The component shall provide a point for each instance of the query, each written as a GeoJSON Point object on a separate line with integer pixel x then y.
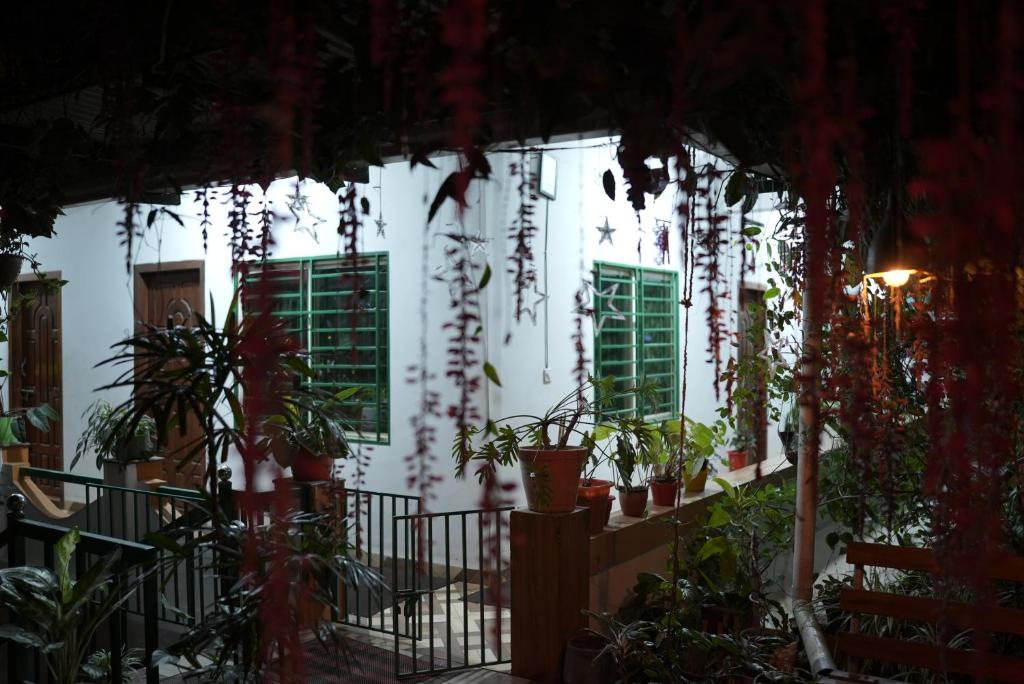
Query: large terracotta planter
{"type": "Point", "coordinates": [586, 662]}
{"type": "Point", "coordinates": [695, 484]}
{"type": "Point", "coordinates": [633, 502]}
{"type": "Point", "coordinates": [551, 477]}
{"type": "Point", "coordinates": [663, 492]}
{"type": "Point", "coordinates": [307, 467]}
{"type": "Point", "coordinates": [594, 495]}
{"type": "Point", "coordinates": [737, 459]}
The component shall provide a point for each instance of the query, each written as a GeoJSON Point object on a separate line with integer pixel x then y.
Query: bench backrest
{"type": "Point", "coordinates": [931, 610]}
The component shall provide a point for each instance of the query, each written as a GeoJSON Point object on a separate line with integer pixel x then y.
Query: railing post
{"type": "Point", "coordinates": [225, 495]}
{"type": "Point", "coordinates": [15, 554]}
{"type": "Point", "coordinates": [150, 616]}
{"type": "Point", "coordinates": [550, 589]}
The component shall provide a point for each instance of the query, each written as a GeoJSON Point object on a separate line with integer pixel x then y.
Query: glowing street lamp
{"type": "Point", "coordinates": [895, 256]}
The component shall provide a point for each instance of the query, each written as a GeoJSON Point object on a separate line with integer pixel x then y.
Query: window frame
{"type": "Point", "coordinates": [635, 275]}
{"type": "Point", "coordinates": [306, 266]}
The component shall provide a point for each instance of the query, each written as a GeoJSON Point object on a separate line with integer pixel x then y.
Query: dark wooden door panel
{"type": "Point", "coordinates": [36, 374]}
{"type": "Point", "coordinates": [172, 295]}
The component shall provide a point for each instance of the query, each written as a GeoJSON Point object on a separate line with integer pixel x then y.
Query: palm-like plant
{"type": "Point", "coordinates": [235, 381]}
{"type": "Point", "coordinates": [59, 615]}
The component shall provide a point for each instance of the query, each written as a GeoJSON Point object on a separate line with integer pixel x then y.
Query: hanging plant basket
{"type": "Point", "coordinates": [10, 269]}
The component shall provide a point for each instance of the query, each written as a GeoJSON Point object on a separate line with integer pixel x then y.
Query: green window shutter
{"type": "Point", "coordinates": [644, 344]}
{"type": "Point", "coordinates": [338, 310]}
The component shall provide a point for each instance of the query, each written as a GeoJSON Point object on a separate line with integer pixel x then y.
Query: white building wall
{"type": "Point", "coordinates": [98, 299]}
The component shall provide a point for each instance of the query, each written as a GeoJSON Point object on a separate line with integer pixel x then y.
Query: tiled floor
{"type": "Point", "coordinates": [463, 634]}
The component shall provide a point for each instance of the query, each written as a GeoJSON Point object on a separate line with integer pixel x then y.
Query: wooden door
{"type": "Point", "coordinates": [35, 368]}
{"type": "Point", "coordinates": [171, 294]}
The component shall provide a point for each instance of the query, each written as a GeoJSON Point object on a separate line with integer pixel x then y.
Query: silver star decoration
{"type": "Point", "coordinates": [584, 307]}
{"type": "Point", "coordinates": [606, 233]}
{"type": "Point", "coordinates": [379, 187]}
{"type": "Point", "coordinates": [531, 311]}
{"type": "Point", "coordinates": [380, 225]}
{"type": "Point", "coordinates": [608, 294]}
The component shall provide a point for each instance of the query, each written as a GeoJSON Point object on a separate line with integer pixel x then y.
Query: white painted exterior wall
{"type": "Point", "coordinates": [97, 302]}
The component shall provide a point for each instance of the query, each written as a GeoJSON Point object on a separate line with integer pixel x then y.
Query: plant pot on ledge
{"type": "Point", "coordinates": [593, 494]}
{"type": "Point", "coordinates": [633, 501]}
{"type": "Point", "coordinates": [551, 477]}
{"type": "Point", "coordinates": [309, 467]}
{"type": "Point", "coordinates": [737, 459]}
{"type": "Point", "coordinates": [663, 492]}
{"type": "Point", "coordinates": [10, 269]}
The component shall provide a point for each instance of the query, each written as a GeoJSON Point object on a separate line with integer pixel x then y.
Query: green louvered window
{"type": "Point", "coordinates": [338, 311]}
{"type": "Point", "coordinates": [638, 312]}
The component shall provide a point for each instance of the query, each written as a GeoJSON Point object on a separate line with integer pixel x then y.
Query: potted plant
{"type": "Point", "coordinates": [311, 432]}
{"type": "Point", "coordinates": [632, 461]}
{"type": "Point", "coordinates": [12, 255]}
{"type": "Point", "coordinates": [13, 435]}
{"type": "Point", "coordinates": [60, 613]}
{"type": "Point", "coordinates": [665, 459]}
{"type": "Point", "coordinates": [551, 467]}
{"type": "Point", "coordinates": [594, 493]}
{"type": "Point", "coordinates": [117, 439]}
{"type": "Point", "coordinates": [702, 441]}
{"type": "Point", "coordinates": [742, 445]}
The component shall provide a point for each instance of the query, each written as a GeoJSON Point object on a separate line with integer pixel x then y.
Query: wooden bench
{"type": "Point", "coordinates": [930, 610]}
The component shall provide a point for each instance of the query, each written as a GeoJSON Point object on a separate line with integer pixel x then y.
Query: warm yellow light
{"type": "Point", "coordinates": [896, 278]}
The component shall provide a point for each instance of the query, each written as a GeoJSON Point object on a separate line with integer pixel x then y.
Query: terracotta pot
{"type": "Point", "coordinates": [582, 665]}
{"type": "Point", "coordinates": [10, 269]}
{"type": "Point", "coordinates": [595, 497]}
{"type": "Point", "coordinates": [551, 477]}
{"type": "Point", "coordinates": [663, 492]}
{"type": "Point", "coordinates": [737, 459]}
{"type": "Point", "coordinates": [633, 502]}
{"type": "Point", "coordinates": [307, 467]}
{"type": "Point", "coordinates": [695, 484]}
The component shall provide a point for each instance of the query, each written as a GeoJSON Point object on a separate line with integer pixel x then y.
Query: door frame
{"type": "Point", "coordinates": [13, 385]}
{"type": "Point", "coordinates": [141, 290]}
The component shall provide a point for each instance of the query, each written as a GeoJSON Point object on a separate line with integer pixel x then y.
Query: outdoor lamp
{"type": "Point", "coordinates": [895, 255]}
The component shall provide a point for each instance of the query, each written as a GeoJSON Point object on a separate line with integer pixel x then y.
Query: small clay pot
{"type": "Point", "coordinates": [663, 492]}
{"type": "Point", "coordinates": [695, 484]}
{"type": "Point", "coordinates": [633, 502]}
{"type": "Point", "coordinates": [737, 459]}
{"type": "Point", "coordinates": [593, 494]}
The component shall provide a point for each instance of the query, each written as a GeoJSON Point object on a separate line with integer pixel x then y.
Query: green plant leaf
{"type": "Point", "coordinates": [729, 489]}
{"type": "Point", "coordinates": [491, 374]}
{"type": "Point", "coordinates": [62, 559]}
{"type": "Point", "coordinates": [718, 517]}
{"type": "Point", "coordinates": [485, 278]}
{"type": "Point", "coordinates": [771, 293]}
{"type": "Point", "coordinates": [21, 636]}
{"type": "Point", "coordinates": [712, 547]}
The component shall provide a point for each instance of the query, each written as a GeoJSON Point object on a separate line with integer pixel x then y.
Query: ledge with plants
{"type": "Point", "coordinates": [552, 468]}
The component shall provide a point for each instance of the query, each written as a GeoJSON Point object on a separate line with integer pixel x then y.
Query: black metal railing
{"type": "Point", "coordinates": [370, 516]}
{"type": "Point", "coordinates": [186, 591]}
{"type": "Point", "coordinates": [140, 559]}
{"type": "Point", "coordinates": [461, 600]}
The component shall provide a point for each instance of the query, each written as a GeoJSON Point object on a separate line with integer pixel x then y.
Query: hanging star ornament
{"type": "Point", "coordinates": [531, 311]}
{"type": "Point", "coordinates": [606, 233]}
{"type": "Point", "coordinates": [608, 295]}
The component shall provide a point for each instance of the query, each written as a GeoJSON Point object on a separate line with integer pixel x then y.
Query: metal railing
{"type": "Point", "coordinates": [371, 517]}
{"type": "Point", "coordinates": [123, 513]}
{"type": "Point", "coordinates": [436, 582]}
{"type": "Point", "coordinates": [136, 559]}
